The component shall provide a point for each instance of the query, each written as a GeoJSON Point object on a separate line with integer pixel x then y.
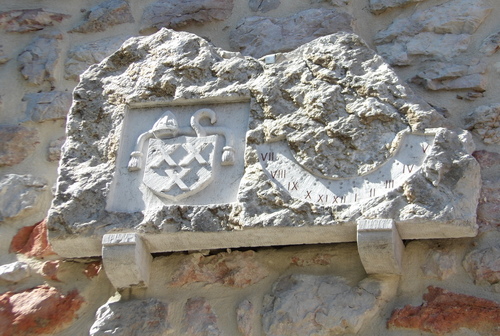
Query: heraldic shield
{"type": "Point", "coordinates": [179, 167]}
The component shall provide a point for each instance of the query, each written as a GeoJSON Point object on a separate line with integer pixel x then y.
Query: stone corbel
{"type": "Point", "coordinates": [380, 246]}
{"type": "Point", "coordinates": [126, 260]}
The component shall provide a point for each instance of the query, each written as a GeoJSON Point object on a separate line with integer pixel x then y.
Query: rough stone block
{"type": "Point", "coordinates": [19, 193]}
{"type": "Point", "coordinates": [302, 305]}
{"type": "Point", "coordinates": [45, 106]}
{"type": "Point", "coordinates": [380, 247]}
{"type": "Point", "coordinates": [484, 121]}
{"type": "Point", "coordinates": [16, 144]}
{"type": "Point", "coordinates": [27, 20]}
{"type": "Point", "coordinates": [235, 269]}
{"type": "Point", "coordinates": [263, 5]}
{"type": "Point", "coordinates": [175, 14]}
{"type": "Point", "coordinates": [54, 150]}
{"type": "Point", "coordinates": [445, 312]}
{"type": "Point", "coordinates": [38, 61]}
{"type": "Point", "coordinates": [80, 57]}
{"type": "Point", "coordinates": [107, 14]}
{"type": "Point", "coordinates": [201, 148]}
{"type": "Point", "coordinates": [379, 6]}
{"type": "Point", "coordinates": [32, 241]}
{"type": "Point", "coordinates": [259, 36]}
{"type": "Point", "coordinates": [126, 260]}
{"type": "Point", "coordinates": [245, 315]}
{"type": "Point", "coordinates": [37, 311]}
{"type": "Point", "coordinates": [483, 265]}
{"type": "Point", "coordinates": [438, 32]}
{"type": "Point", "coordinates": [14, 272]}
{"type": "Point", "coordinates": [199, 319]}
{"type": "Point", "coordinates": [129, 318]}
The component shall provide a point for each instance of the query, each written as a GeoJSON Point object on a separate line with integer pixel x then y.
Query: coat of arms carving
{"type": "Point", "coordinates": [178, 164]}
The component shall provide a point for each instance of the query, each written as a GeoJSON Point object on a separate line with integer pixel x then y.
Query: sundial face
{"type": "Point", "coordinates": [283, 169]}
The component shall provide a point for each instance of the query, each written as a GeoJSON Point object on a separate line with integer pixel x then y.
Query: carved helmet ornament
{"type": "Point", "coordinates": [178, 164]}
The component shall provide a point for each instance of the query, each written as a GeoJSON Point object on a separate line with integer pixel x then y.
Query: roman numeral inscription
{"type": "Point", "coordinates": [282, 169]}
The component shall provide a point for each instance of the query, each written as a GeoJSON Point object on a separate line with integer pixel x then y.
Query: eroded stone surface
{"type": "Point", "coordinates": [32, 241]}
{"type": "Point", "coordinates": [26, 20]}
{"type": "Point", "coordinates": [488, 210]}
{"type": "Point", "coordinates": [302, 305]}
{"type": "Point", "coordinates": [135, 317]}
{"type": "Point", "coordinates": [45, 106]}
{"type": "Point", "coordinates": [483, 265]}
{"type": "Point", "coordinates": [244, 317]}
{"type": "Point", "coordinates": [440, 264]}
{"type": "Point", "coordinates": [258, 36]}
{"type": "Point", "coordinates": [54, 150]}
{"type": "Point", "coordinates": [450, 76]}
{"type": "Point", "coordinates": [38, 61]}
{"type": "Point", "coordinates": [93, 269]}
{"type": "Point", "coordinates": [379, 6]}
{"type": "Point", "coordinates": [19, 193]}
{"type": "Point", "coordinates": [484, 121]}
{"type": "Point", "coordinates": [107, 14]}
{"type": "Point", "coordinates": [175, 14]}
{"type": "Point", "coordinates": [80, 57]}
{"type": "Point", "coordinates": [16, 143]}
{"type": "Point", "coordinates": [263, 5]}
{"type": "Point", "coordinates": [199, 319]}
{"type": "Point", "coordinates": [14, 272]}
{"type": "Point", "coordinates": [50, 269]}
{"type": "Point", "coordinates": [333, 103]}
{"type": "Point", "coordinates": [445, 312]}
{"type": "Point", "coordinates": [236, 269]}
{"type": "Point", "coordinates": [438, 32]}
{"type": "Point", "coordinates": [491, 44]}
{"type": "Point", "coordinates": [39, 310]}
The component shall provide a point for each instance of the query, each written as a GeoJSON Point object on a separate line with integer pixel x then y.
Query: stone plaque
{"type": "Point", "coordinates": [179, 155]}
{"type": "Point", "coordinates": [189, 147]}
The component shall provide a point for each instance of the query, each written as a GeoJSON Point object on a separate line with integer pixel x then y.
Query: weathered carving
{"type": "Point", "coordinates": [305, 126]}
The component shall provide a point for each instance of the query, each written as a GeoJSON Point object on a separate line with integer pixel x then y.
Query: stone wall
{"type": "Point", "coordinates": [445, 50]}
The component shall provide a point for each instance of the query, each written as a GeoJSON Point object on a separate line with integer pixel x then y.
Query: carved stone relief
{"type": "Point", "coordinates": [187, 146]}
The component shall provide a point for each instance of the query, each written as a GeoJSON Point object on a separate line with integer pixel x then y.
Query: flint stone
{"type": "Point", "coordinates": [199, 319]}
{"type": "Point", "coordinates": [431, 32]}
{"type": "Point", "coordinates": [483, 265]}
{"type": "Point", "coordinates": [16, 144]}
{"type": "Point", "coordinates": [107, 14]}
{"type": "Point", "coordinates": [14, 272]}
{"type": "Point", "coordinates": [176, 14]}
{"type": "Point", "coordinates": [19, 193]}
{"type": "Point", "coordinates": [263, 5]}
{"type": "Point", "coordinates": [45, 106]}
{"type": "Point", "coordinates": [301, 305]}
{"type": "Point", "coordinates": [258, 36]}
{"type": "Point", "coordinates": [379, 6]}
{"type": "Point", "coordinates": [27, 20]}
{"type": "Point", "coordinates": [38, 61]}
{"type": "Point", "coordinates": [317, 102]}
{"type": "Point", "coordinates": [484, 121]}
{"type": "Point", "coordinates": [135, 317]}
{"type": "Point", "coordinates": [82, 56]}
